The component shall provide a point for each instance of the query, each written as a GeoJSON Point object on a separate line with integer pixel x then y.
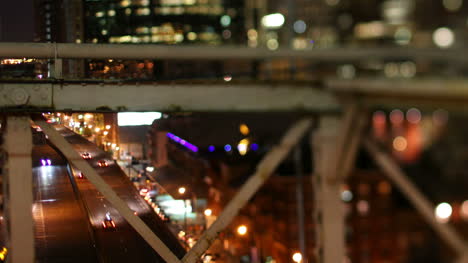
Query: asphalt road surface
{"type": "Point", "coordinates": [122, 244]}
{"type": "Point", "coordinates": [62, 229]}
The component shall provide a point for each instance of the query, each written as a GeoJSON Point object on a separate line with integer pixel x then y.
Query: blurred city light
{"type": "Point", "coordinates": [443, 37]}
{"type": "Point", "coordinates": [452, 5]}
{"type": "Point", "coordinates": [443, 211]}
{"type": "Point", "coordinates": [346, 196]}
{"type": "Point", "coordinates": [413, 116]}
{"type": "Point", "coordinates": [299, 26]}
{"type": "Point", "coordinates": [225, 20]}
{"type": "Point", "coordinates": [227, 148]}
{"type": "Point", "coordinates": [181, 190]}
{"type": "Point", "coordinates": [362, 207]}
{"type": "Point", "coordinates": [273, 20]}
{"type": "Point", "coordinates": [242, 230]}
{"type": "Point", "coordinates": [272, 44]}
{"type": "Point", "coordinates": [244, 129]}
{"type": "Point", "coordinates": [347, 71]}
{"type": "Point", "coordinates": [396, 117]}
{"type": "Point", "coordinates": [227, 78]}
{"type": "Point", "coordinates": [254, 146]}
{"type": "Point", "coordinates": [400, 143]}
{"type": "Point", "coordinates": [182, 142]}
{"type": "Point", "coordinates": [464, 210]}
{"type": "Point", "coordinates": [243, 146]}
{"type": "Point", "coordinates": [208, 212]}
{"type": "Point", "coordinates": [137, 118]}
{"type": "Point", "coordinates": [297, 257]}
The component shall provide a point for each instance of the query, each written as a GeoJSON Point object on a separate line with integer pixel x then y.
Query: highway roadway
{"type": "Point", "coordinates": [68, 211]}
{"type": "Point", "coordinates": [62, 229]}
{"type": "Point", "coordinates": [122, 244]}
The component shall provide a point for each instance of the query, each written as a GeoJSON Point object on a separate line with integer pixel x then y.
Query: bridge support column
{"type": "Point", "coordinates": [19, 192]}
{"type": "Point", "coordinates": [329, 209]}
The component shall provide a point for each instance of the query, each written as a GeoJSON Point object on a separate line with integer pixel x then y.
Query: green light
{"type": "Point", "coordinates": [225, 20]}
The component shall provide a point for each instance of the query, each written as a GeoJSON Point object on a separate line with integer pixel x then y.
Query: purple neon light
{"type": "Point", "coordinates": [182, 142]}
{"type": "Point", "coordinates": [254, 147]}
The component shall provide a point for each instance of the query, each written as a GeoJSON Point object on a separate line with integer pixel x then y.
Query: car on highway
{"type": "Point", "coordinates": [80, 175]}
{"type": "Point", "coordinates": [143, 191]}
{"type": "Point", "coordinates": [46, 162]}
{"type": "Point", "coordinates": [86, 155]}
{"type": "Point", "coordinates": [108, 223]}
{"type": "Point", "coordinates": [102, 163]}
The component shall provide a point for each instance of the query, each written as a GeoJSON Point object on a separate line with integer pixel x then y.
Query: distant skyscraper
{"type": "Point", "coordinates": [159, 22]}
{"type": "Point", "coordinates": [60, 22]}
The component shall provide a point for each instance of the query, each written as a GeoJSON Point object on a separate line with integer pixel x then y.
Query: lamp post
{"type": "Point", "coordinates": [182, 191]}
{"type": "Point", "coordinates": [242, 230]}
{"type": "Point", "coordinates": [297, 257]}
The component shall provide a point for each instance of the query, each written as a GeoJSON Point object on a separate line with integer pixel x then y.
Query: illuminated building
{"type": "Point", "coordinates": [159, 22]}
{"type": "Point", "coordinates": [13, 68]}
{"type": "Point", "coordinates": [380, 227]}
{"type": "Point", "coordinates": [61, 22]}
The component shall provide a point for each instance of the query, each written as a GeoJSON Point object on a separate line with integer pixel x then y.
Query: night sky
{"type": "Point", "coordinates": [16, 21]}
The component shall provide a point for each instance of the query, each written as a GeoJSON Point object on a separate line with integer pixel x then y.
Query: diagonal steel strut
{"type": "Point", "coordinates": [445, 231]}
{"type": "Point", "coordinates": [264, 169]}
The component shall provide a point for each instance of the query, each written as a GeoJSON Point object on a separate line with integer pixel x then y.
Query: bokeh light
{"type": "Point", "coordinates": [443, 37]}
{"type": "Point", "coordinates": [464, 210]}
{"type": "Point", "coordinates": [400, 144]}
{"type": "Point", "coordinates": [413, 116]}
{"type": "Point", "coordinates": [208, 212]}
{"type": "Point", "coordinates": [396, 117]}
{"type": "Point", "coordinates": [242, 230]}
{"type": "Point", "coordinates": [297, 257]}
{"type": "Point", "coordinates": [346, 196]}
{"type": "Point", "coordinates": [227, 147]}
{"type": "Point", "coordinates": [443, 211]}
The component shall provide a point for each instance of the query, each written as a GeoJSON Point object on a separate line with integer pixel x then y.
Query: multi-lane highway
{"type": "Point", "coordinates": [62, 229]}
{"type": "Point", "coordinates": [122, 243]}
{"type": "Point", "coordinates": [69, 212]}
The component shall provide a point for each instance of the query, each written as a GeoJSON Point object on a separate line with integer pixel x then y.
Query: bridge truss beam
{"type": "Point", "coordinates": [164, 97]}
{"type": "Point", "coordinates": [129, 51]}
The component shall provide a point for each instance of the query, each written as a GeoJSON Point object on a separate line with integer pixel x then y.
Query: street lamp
{"type": "Point", "coordinates": [182, 191]}
{"type": "Point", "coordinates": [242, 230]}
{"type": "Point", "coordinates": [208, 212]}
{"type": "Point", "coordinates": [297, 257]}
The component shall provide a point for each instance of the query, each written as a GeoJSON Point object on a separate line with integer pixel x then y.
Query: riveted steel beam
{"type": "Point", "coordinates": [164, 97]}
